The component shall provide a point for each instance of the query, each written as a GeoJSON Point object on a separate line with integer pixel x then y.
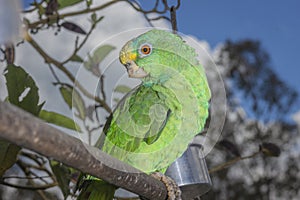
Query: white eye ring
{"type": "Point", "coordinates": [145, 50]}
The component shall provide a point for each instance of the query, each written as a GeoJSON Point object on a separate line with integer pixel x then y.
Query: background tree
{"type": "Point", "coordinates": [249, 77]}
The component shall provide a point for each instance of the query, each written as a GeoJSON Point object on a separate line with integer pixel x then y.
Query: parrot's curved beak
{"type": "Point", "coordinates": [135, 71]}
{"type": "Point", "coordinates": [128, 58]}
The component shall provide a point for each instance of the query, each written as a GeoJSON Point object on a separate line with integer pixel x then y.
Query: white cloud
{"type": "Point", "coordinates": [296, 118]}
{"type": "Point", "coordinates": [120, 24]}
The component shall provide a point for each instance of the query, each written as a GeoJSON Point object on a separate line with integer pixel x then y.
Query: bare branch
{"type": "Point", "coordinates": [173, 19]}
{"type": "Point", "coordinates": [37, 187]}
{"type": "Point", "coordinates": [25, 130]}
{"type": "Point", "coordinates": [19, 177]}
{"type": "Point", "coordinates": [160, 17]}
{"type": "Point", "coordinates": [78, 47]}
{"type": "Point", "coordinates": [42, 22]}
{"type": "Point", "coordinates": [231, 162]}
{"type": "Point", "coordinates": [9, 53]}
{"type": "Point", "coordinates": [134, 4]}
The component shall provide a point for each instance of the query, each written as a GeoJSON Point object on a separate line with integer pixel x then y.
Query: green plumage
{"type": "Point", "coordinates": [152, 125]}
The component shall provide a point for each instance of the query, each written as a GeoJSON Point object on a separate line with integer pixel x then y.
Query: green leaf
{"type": "Point", "coordinates": [270, 149]}
{"type": "Point", "coordinates": [59, 120]}
{"type": "Point", "coordinates": [92, 66]}
{"type": "Point", "coordinates": [71, 26]}
{"type": "Point", "coordinates": [41, 106]}
{"type": "Point", "coordinates": [22, 90]}
{"type": "Point", "coordinates": [89, 3]}
{"type": "Point", "coordinates": [98, 55]}
{"type": "Point", "coordinates": [122, 89]}
{"type": "Point", "coordinates": [73, 98]}
{"type": "Point", "coordinates": [101, 52]}
{"type": "Point", "coordinates": [76, 58]}
{"type": "Point", "coordinates": [99, 19]}
{"type": "Point", "coordinates": [41, 9]}
{"type": "Point", "coordinates": [66, 3]}
{"type": "Point", "coordinates": [94, 17]}
{"type": "Point", "coordinates": [8, 155]}
{"type": "Point", "coordinates": [66, 93]}
{"type": "Point", "coordinates": [63, 176]}
{"type": "Point", "coordinates": [78, 103]}
{"type": "Point", "coordinates": [230, 146]}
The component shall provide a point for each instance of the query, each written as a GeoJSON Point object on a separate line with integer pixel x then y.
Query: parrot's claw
{"type": "Point", "coordinates": [173, 189]}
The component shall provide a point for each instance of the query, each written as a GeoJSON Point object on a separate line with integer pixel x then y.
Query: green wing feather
{"type": "Point", "coordinates": [139, 119]}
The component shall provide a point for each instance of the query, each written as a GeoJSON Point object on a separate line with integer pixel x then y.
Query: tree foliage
{"type": "Point", "coordinates": [248, 67]}
{"type": "Point", "coordinates": [268, 139]}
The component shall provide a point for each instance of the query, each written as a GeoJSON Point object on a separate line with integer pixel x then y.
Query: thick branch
{"type": "Point", "coordinates": [25, 130]}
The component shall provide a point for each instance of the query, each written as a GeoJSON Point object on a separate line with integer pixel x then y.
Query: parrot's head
{"type": "Point", "coordinates": [154, 54]}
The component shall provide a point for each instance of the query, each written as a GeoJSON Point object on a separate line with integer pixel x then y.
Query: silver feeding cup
{"type": "Point", "coordinates": [190, 172]}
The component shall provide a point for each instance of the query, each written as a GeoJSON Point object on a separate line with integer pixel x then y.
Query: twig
{"type": "Point", "coordinates": [36, 4]}
{"type": "Point", "coordinates": [33, 156]}
{"type": "Point", "coordinates": [9, 53]}
{"type": "Point", "coordinates": [78, 47]}
{"type": "Point", "coordinates": [41, 167]}
{"type": "Point", "coordinates": [18, 177]}
{"type": "Point", "coordinates": [36, 24]}
{"type": "Point", "coordinates": [60, 66]}
{"type": "Point", "coordinates": [160, 17]}
{"type": "Point", "coordinates": [95, 128]}
{"type": "Point", "coordinates": [53, 73]}
{"type": "Point", "coordinates": [27, 173]}
{"type": "Point", "coordinates": [39, 187]}
{"type": "Point", "coordinates": [231, 162]}
{"type": "Point", "coordinates": [173, 19]}
{"type": "Point", "coordinates": [26, 168]}
{"type": "Point", "coordinates": [138, 8]}
{"type": "Point", "coordinates": [102, 87]}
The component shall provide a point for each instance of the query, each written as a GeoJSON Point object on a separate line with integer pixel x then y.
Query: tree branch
{"type": "Point", "coordinates": [61, 67]}
{"type": "Point", "coordinates": [55, 16]}
{"type": "Point", "coordinates": [231, 162]}
{"type": "Point", "coordinates": [25, 130]}
{"type": "Point", "coordinates": [37, 187]}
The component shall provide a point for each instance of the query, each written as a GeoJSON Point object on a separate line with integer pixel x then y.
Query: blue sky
{"type": "Point", "coordinates": [274, 23]}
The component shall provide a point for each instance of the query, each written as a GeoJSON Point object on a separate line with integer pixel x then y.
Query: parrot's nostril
{"type": "Point", "coordinates": [127, 65]}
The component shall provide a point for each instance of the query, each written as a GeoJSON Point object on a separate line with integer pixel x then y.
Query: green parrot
{"type": "Point", "coordinates": [154, 123]}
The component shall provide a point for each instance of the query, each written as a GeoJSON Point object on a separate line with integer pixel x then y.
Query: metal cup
{"type": "Point", "coordinates": [190, 172]}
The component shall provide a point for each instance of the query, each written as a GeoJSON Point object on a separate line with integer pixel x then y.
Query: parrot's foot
{"type": "Point", "coordinates": [174, 192]}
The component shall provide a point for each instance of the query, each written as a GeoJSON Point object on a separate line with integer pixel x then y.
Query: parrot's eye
{"type": "Point", "coordinates": [145, 49]}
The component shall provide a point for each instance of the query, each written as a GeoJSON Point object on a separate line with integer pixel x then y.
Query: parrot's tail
{"type": "Point", "coordinates": [97, 190]}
